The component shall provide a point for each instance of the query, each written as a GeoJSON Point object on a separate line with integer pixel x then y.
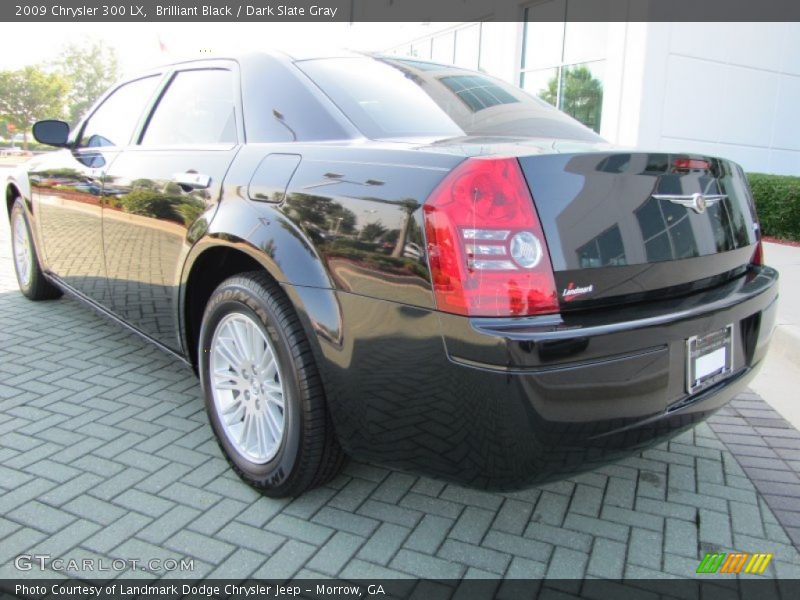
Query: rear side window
{"type": "Point", "coordinates": [379, 99]}
{"type": "Point", "coordinates": [114, 121]}
{"type": "Point", "coordinates": [198, 107]}
{"type": "Point", "coordinates": [391, 97]}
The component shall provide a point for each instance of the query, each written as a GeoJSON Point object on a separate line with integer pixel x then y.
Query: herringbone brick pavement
{"type": "Point", "coordinates": [105, 452]}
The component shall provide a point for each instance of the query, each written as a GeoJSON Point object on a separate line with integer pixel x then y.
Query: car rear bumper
{"type": "Point", "coordinates": [500, 403]}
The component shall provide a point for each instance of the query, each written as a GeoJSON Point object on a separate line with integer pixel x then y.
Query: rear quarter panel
{"type": "Point", "coordinates": [350, 218]}
{"type": "Point", "coordinates": [363, 217]}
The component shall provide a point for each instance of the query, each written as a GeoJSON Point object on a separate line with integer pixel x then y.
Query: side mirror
{"type": "Point", "coordinates": [51, 132]}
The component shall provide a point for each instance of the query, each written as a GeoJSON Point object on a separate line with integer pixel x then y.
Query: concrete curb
{"type": "Point", "coordinates": [786, 342]}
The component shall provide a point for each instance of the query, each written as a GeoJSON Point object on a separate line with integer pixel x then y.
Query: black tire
{"type": "Point", "coordinates": [309, 454]}
{"type": "Point", "coordinates": [36, 287]}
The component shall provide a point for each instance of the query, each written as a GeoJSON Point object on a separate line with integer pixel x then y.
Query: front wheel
{"type": "Point", "coordinates": [263, 393]}
{"type": "Point", "coordinates": [32, 282]}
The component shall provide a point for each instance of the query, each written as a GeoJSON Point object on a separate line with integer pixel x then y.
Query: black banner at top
{"type": "Point", "coordinates": [395, 10]}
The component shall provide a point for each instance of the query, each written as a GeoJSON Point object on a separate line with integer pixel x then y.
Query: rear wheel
{"type": "Point", "coordinates": [32, 282]}
{"type": "Point", "coordinates": [262, 390]}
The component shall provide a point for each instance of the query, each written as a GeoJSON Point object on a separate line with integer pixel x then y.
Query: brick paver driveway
{"type": "Point", "coordinates": [105, 451]}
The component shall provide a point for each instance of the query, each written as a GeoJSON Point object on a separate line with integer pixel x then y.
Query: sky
{"type": "Point", "coordinates": [138, 44]}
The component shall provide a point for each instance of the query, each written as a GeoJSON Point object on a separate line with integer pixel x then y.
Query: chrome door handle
{"type": "Point", "coordinates": [191, 180]}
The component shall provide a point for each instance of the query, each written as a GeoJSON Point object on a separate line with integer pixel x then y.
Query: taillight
{"type": "Point", "coordinates": [691, 164]}
{"type": "Point", "coordinates": [486, 249]}
{"type": "Point", "coordinates": [758, 255]}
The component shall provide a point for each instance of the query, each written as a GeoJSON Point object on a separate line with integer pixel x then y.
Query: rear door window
{"type": "Point", "coordinates": [198, 108]}
{"type": "Point", "coordinates": [114, 121]}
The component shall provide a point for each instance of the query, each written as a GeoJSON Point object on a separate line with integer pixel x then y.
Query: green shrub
{"type": "Point", "coordinates": [778, 204]}
{"type": "Point", "coordinates": [190, 212]}
{"type": "Point", "coordinates": [148, 203]}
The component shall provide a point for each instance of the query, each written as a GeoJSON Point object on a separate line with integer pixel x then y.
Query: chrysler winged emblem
{"type": "Point", "coordinates": [697, 202]}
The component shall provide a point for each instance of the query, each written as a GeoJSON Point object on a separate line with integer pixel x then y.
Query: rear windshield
{"type": "Point", "coordinates": [391, 98]}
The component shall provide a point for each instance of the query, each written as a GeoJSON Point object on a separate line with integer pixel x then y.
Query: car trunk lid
{"type": "Point", "coordinates": [628, 226]}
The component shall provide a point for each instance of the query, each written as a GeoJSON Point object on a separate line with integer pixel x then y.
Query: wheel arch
{"type": "Point", "coordinates": [205, 269]}
{"type": "Point", "coordinates": [12, 193]}
{"type": "Point", "coordinates": [18, 185]}
{"type": "Point", "coordinates": [14, 189]}
{"type": "Point", "coordinates": [211, 262]}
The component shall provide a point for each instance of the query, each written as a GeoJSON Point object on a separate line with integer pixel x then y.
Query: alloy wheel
{"type": "Point", "coordinates": [23, 254]}
{"type": "Point", "coordinates": [247, 387]}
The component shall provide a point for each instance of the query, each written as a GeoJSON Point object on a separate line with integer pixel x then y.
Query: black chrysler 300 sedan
{"type": "Point", "coordinates": [401, 261]}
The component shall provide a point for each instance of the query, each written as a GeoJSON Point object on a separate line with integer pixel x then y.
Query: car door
{"type": "Point", "coordinates": [157, 188]}
{"type": "Point", "coordinates": [67, 189]}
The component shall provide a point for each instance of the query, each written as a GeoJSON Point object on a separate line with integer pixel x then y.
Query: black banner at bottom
{"type": "Point", "coordinates": [722, 587]}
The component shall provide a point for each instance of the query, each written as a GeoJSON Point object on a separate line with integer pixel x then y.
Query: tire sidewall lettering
{"type": "Point", "coordinates": [276, 471]}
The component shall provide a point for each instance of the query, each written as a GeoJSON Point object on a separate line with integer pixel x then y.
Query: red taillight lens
{"type": "Point", "coordinates": [690, 164]}
{"type": "Point", "coordinates": [758, 255]}
{"type": "Point", "coordinates": [486, 249]}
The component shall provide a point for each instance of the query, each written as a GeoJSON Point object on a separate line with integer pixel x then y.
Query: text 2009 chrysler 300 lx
{"type": "Point", "coordinates": [402, 261]}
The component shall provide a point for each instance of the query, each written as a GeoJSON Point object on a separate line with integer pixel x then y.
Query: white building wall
{"type": "Point", "coordinates": [622, 83]}
{"type": "Point", "coordinates": [726, 89]}
{"type": "Point", "coordinates": [506, 46]}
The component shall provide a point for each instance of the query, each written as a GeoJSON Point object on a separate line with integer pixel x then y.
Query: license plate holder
{"type": "Point", "coordinates": [709, 359]}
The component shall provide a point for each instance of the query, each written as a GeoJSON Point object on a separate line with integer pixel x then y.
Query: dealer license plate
{"type": "Point", "coordinates": [709, 359]}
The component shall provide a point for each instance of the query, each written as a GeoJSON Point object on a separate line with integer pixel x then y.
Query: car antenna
{"type": "Point", "coordinates": [282, 121]}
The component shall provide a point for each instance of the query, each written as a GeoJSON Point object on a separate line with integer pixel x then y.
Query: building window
{"type": "Point", "coordinates": [604, 250]}
{"type": "Point", "coordinates": [666, 230]}
{"type": "Point", "coordinates": [421, 49]}
{"type": "Point", "coordinates": [563, 62]}
{"type": "Point", "coordinates": [468, 47]}
{"type": "Point", "coordinates": [491, 60]}
{"type": "Point", "coordinates": [444, 48]}
{"type": "Point", "coordinates": [477, 92]}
